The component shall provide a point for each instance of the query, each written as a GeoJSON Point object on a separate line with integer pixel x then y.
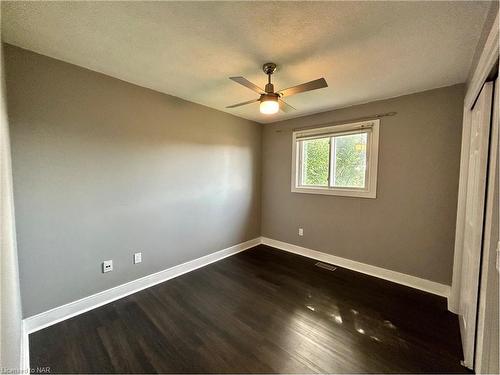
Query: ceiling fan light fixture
{"type": "Point", "coordinates": [271, 101]}
{"type": "Point", "coordinates": [269, 106]}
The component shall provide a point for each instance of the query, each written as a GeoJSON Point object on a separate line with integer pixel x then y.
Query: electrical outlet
{"type": "Point", "coordinates": [301, 232]}
{"type": "Point", "coordinates": [107, 266]}
{"type": "Point", "coordinates": [137, 258]}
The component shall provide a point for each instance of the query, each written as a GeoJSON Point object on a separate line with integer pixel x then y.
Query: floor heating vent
{"type": "Point", "coordinates": [326, 266]}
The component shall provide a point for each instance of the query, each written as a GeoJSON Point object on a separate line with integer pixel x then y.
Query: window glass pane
{"type": "Point", "coordinates": [315, 155]}
{"type": "Point", "coordinates": [350, 160]}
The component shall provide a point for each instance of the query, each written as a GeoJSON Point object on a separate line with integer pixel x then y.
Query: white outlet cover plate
{"type": "Point", "coordinates": [137, 258]}
{"type": "Point", "coordinates": [107, 266]}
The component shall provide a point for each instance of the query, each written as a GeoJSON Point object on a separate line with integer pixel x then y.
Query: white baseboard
{"type": "Point", "coordinates": [58, 314]}
{"type": "Point", "coordinates": [382, 273]}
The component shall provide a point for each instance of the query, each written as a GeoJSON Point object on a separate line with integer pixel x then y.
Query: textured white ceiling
{"type": "Point", "coordinates": [365, 50]}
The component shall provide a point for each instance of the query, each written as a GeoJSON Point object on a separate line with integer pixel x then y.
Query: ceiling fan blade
{"type": "Point", "coordinates": [285, 107]}
{"type": "Point", "coordinates": [244, 103]}
{"type": "Point", "coordinates": [245, 82]}
{"type": "Point", "coordinates": [312, 85]}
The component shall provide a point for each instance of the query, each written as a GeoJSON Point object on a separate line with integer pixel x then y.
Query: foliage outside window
{"type": "Point", "coordinates": [315, 165]}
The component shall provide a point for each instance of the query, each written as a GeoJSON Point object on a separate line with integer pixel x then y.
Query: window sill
{"type": "Point", "coordinates": [338, 192]}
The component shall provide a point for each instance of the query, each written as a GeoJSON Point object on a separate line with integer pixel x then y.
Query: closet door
{"type": "Point", "coordinates": [487, 359]}
{"type": "Point", "coordinates": [474, 219]}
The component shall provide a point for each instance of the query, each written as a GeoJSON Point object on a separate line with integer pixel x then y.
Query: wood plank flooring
{"type": "Point", "coordinates": [260, 311]}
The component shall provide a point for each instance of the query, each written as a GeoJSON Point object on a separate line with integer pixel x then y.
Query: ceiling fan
{"type": "Point", "coordinates": [271, 101]}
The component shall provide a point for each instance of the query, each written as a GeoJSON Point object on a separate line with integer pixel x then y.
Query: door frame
{"type": "Point", "coordinates": [487, 62]}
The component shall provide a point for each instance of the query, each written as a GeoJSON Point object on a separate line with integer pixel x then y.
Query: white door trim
{"type": "Point", "coordinates": [454, 300]}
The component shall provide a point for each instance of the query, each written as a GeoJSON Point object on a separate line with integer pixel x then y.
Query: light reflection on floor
{"type": "Point", "coordinates": [352, 319]}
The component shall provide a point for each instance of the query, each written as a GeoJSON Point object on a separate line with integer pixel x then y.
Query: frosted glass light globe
{"type": "Point", "coordinates": [268, 107]}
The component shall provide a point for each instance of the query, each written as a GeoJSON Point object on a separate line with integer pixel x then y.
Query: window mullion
{"type": "Point", "coordinates": [302, 161]}
{"type": "Point", "coordinates": [331, 163]}
{"type": "Point", "coordinates": [368, 150]}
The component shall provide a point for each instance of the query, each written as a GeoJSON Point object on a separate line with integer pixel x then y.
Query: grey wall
{"type": "Point", "coordinates": [10, 298]}
{"type": "Point", "coordinates": [103, 168]}
{"type": "Point", "coordinates": [410, 226]}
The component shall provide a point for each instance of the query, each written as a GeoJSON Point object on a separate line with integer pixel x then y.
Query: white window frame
{"type": "Point", "coordinates": [370, 190]}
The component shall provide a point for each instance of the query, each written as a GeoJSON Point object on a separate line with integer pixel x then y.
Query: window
{"type": "Point", "coordinates": [336, 160]}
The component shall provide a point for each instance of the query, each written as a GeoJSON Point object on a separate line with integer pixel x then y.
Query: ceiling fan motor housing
{"type": "Point", "coordinates": [269, 96]}
{"type": "Point", "coordinates": [269, 88]}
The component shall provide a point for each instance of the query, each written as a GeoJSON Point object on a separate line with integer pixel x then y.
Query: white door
{"type": "Point", "coordinates": [474, 217]}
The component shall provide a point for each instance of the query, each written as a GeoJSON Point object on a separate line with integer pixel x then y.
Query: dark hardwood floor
{"type": "Point", "coordinates": [260, 311]}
